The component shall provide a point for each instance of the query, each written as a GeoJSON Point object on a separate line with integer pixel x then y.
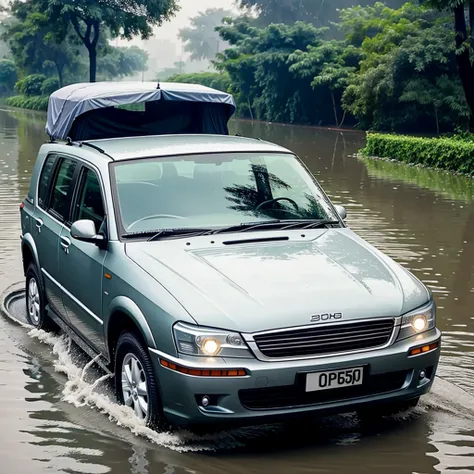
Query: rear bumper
{"type": "Point", "coordinates": [275, 391]}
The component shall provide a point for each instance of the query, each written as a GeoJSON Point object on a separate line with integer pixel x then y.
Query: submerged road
{"type": "Point", "coordinates": [53, 419]}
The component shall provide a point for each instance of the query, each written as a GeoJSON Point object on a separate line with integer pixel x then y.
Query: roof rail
{"type": "Point", "coordinates": [95, 147]}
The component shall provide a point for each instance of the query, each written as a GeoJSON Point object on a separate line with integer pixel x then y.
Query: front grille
{"type": "Point", "coordinates": [326, 339]}
{"type": "Point", "coordinates": [294, 396]}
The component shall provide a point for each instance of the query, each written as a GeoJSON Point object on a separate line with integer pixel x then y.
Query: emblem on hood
{"type": "Point", "coordinates": [318, 318]}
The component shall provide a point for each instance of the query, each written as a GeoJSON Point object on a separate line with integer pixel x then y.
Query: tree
{"type": "Point", "coordinates": [331, 64]}
{"type": "Point", "coordinates": [463, 11]}
{"type": "Point", "coordinates": [123, 61]}
{"type": "Point", "coordinates": [201, 38]}
{"type": "Point", "coordinates": [32, 46]}
{"type": "Point", "coordinates": [404, 52]}
{"type": "Point", "coordinates": [259, 65]}
{"type": "Point", "coordinates": [8, 75]}
{"type": "Point", "coordinates": [91, 18]}
{"type": "Point", "coordinates": [318, 12]}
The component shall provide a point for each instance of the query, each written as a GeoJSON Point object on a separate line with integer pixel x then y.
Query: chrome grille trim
{"type": "Point", "coordinates": [279, 337]}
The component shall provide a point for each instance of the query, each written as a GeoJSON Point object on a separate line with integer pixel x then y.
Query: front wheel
{"type": "Point", "coordinates": [135, 381]}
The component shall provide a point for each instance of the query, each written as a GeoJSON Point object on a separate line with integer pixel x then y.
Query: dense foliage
{"type": "Point", "coordinates": [31, 85]}
{"type": "Point", "coordinates": [318, 12]}
{"type": "Point", "coordinates": [394, 70]}
{"type": "Point", "coordinates": [91, 19]}
{"type": "Point", "coordinates": [447, 153]}
{"type": "Point", "coordinates": [33, 103]}
{"type": "Point", "coordinates": [464, 40]}
{"type": "Point", "coordinates": [70, 37]}
{"type": "Point", "coordinates": [8, 76]}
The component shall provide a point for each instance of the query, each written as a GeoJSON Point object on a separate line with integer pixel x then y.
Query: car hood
{"type": "Point", "coordinates": [254, 286]}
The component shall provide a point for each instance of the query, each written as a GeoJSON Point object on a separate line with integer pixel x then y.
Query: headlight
{"type": "Point", "coordinates": [418, 321]}
{"type": "Point", "coordinates": [205, 342]}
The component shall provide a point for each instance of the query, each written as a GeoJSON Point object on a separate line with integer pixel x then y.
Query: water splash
{"type": "Point", "coordinates": [80, 392]}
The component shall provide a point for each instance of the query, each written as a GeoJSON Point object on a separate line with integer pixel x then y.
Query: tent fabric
{"type": "Point", "coordinates": [87, 111]}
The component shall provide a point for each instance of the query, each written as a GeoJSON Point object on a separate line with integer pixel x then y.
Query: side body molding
{"type": "Point", "coordinates": [127, 306]}
{"type": "Point", "coordinates": [28, 241]}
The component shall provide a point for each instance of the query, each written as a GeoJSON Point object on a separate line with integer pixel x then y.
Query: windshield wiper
{"type": "Point", "coordinates": [245, 226]}
{"type": "Point", "coordinates": [322, 223]}
{"type": "Point", "coordinates": [157, 234]}
{"type": "Point", "coordinates": [281, 224]}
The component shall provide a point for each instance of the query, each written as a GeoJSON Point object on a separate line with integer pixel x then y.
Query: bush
{"type": "Point", "coordinates": [215, 80]}
{"type": "Point", "coordinates": [49, 86]}
{"type": "Point", "coordinates": [31, 85]}
{"type": "Point", "coordinates": [33, 103]}
{"type": "Point", "coordinates": [454, 154]}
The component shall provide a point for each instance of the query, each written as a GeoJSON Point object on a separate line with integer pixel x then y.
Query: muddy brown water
{"type": "Point", "coordinates": [53, 420]}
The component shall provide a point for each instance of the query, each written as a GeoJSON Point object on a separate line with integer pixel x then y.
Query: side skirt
{"type": "Point", "coordinates": [102, 362]}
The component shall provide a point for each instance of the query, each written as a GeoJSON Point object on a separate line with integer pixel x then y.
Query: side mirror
{"type": "Point", "coordinates": [84, 231]}
{"type": "Point", "coordinates": [341, 210]}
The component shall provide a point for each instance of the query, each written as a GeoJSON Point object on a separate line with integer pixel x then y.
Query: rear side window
{"type": "Point", "coordinates": [89, 204]}
{"type": "Point", "coordinates": [45, 180]}
{"type": "Point", "coordinates": [59, 205]}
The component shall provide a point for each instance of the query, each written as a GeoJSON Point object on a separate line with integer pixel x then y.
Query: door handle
{"type": "Point", "coordinates": [65, 243]}
{"type": "Point", "coordinates": [39, 224]}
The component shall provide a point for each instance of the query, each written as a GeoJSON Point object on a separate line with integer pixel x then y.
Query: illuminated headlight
{"type": "Point", "coordinates": [418, 321]}
{"type": "Point", "coordinates": [206, 342]}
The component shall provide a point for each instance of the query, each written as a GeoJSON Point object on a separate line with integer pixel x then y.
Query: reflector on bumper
{"type": "Point", "coordinates": [204, 372]}
{"type": "Point", "coordinates": [424, 349]}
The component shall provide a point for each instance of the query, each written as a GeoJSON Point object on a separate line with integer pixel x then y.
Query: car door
{"type": "Point", "coordinates": [53, 202]}
{"type": "Point", "coordinates": [81, 263]}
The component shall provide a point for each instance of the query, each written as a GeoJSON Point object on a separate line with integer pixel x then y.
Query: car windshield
{"type": "Point", "coordinates": [215, 190]}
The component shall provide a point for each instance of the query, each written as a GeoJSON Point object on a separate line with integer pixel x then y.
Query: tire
{"type": "Point", "coordinates": [388, 409]}
{"type": "Point", "coordinates": [130, 385]}
{"type": "Point", "coordinates": [36, 300]}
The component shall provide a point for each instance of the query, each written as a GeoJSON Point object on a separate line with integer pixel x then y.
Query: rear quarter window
{"type": "Point", "coordinates": [45, 181]}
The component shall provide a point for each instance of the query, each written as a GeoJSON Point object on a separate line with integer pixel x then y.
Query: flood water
{"type": "Point", "coordinates": [53, 420]}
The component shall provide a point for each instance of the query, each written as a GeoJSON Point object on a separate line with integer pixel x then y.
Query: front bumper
{"type": "Point", "coordinates": [275, 391]}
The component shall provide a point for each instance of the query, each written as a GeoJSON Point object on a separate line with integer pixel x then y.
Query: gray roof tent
{"type": "Point", "coordinates": [88, 111]}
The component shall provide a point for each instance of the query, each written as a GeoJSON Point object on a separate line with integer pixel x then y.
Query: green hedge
{"type": "Point", "coordinates": [215, 80]}
{"type": "Point", "coordinates": [32, 103]}
{"type": "Point", "coordinates": [453, 154]}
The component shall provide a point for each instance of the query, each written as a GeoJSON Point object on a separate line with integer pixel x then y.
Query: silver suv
{"type": "Point", "coordinates": [218, 282]}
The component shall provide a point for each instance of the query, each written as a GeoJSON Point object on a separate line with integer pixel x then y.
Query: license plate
{"type": "Point", "coordinates": [334, 379]}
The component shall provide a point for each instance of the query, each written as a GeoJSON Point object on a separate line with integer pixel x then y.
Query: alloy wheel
{"type": "Point", "coordinates": [134, 386]}
{"type": "Point", "coordinates": [34, 307]}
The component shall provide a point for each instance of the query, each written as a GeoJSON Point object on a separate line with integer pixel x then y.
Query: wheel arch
{"type": "Point", "coordinates": [124, 314]}
{"type": "Point", "coordinates": [29, 253]}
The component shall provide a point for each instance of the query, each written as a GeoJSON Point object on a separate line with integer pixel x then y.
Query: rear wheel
{"type": "Point", "coordinates": [388, 409]}
{"type": "Point", "coordinates": [36, 300]}
{"type": "Point", "coordinates": [135, 381]}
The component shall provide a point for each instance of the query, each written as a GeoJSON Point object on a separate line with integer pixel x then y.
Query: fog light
{"type": "Point", "coordinates": [205, 402]}
{"type": "Point", "coordinates": [419, 323]}
{"type": "Point", "coordinates": [422, 374]}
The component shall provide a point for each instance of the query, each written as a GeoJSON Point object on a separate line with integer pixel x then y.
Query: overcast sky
{"type": "Point", "coordinates": [189, 9]}
{"type": "Point", "coordinates": [165, 55]}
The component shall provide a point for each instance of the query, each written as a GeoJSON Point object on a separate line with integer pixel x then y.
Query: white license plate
{"type": "Point", "coordinates": [334, 379]}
